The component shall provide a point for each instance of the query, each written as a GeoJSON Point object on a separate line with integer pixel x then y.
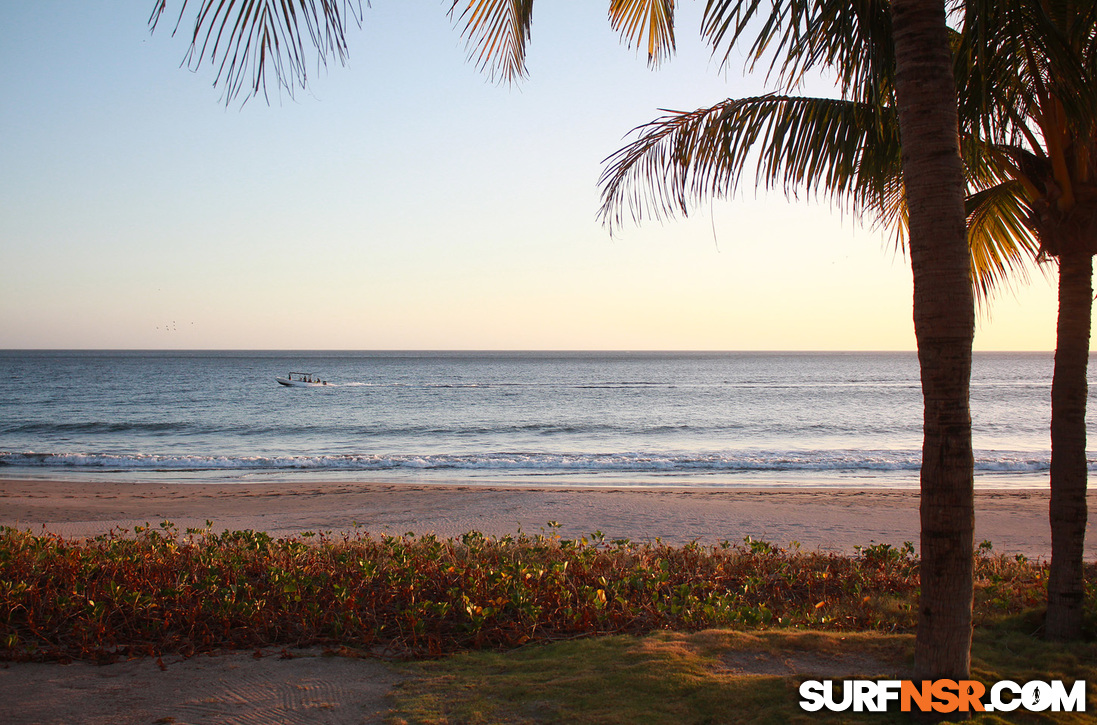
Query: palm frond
{"type": "Point", "coordinates": [892, 214]}
{"type": "Point", "coordinates": [1084, 37]}
{"type": "Point", "coordinates": [986, 66]}
{"type": "Point", "coordinates": [1003, 247]}
{"type": "Point", "coordinates": [849, 37]}
{"type": "Point", "coordinates": [496, 33]}
{"type": "Point", "coordinates": [246, 39]}
{"type": "Point", "coordinates": [1072, 62]}
{"type": "Point", "coordinates": [1015, 57]}
{"type": "Point", "coordinates": [839, 149]}
{"type": "Point", "coordinates": [649, 22]}
{"type": "Point", "coordinates": [725, 22]}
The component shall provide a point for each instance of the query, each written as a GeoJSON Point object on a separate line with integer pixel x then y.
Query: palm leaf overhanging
{"type": "Point", "coordinates": [247, 39]}
{"type": "Point", "coordinates": [851, 38]}
{"type": "Point", "coordinates": [253, 41]}
{"type": "Point", "coordinates": [846, 149]}
{"type": "Point", "coordinates": [498, 31]}
{"type": "Point", "coordinates": [1002, 246]}
{"type": "Point", "coordinates": [818, 144]}
{"type": "Point", "coordinates": [1030, 92]}
{"type": "Point", "coordinates": [649, 22]}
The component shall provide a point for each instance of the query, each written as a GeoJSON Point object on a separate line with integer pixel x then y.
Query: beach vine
{"type": "Point", "coordinates": [157, 590]}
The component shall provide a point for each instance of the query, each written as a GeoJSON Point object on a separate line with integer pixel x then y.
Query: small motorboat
{"type": "Point", "coordinates": [302, 380]}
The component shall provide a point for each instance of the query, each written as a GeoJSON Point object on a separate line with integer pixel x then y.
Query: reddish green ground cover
{"type": "Point", "coordinates": [157, 591]}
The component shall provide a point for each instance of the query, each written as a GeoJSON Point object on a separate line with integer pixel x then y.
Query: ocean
{"type": "Point", "coordinates": [719, 419]}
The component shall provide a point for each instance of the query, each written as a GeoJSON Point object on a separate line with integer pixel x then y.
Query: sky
{"type": "Point", "coordinates": [405, 201]}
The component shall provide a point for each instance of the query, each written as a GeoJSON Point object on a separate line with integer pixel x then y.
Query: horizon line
{"type": "Point", "coordinates": [493, 350]}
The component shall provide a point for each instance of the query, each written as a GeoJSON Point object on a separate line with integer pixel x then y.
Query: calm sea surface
{"type": "Point", "coordinates": [682, 419]}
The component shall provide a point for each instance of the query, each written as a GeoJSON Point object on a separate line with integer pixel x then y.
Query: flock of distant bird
{"type": "Point", "coordinates": [172, 327]}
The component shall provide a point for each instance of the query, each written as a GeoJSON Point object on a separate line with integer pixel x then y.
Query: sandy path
{"type": "Point", "coordinates": [231, 688]}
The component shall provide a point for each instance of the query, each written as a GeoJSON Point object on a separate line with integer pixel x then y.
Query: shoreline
{"type": "Point", "coordinates": [902, 479]}
{"type": "Point", "coordinates": [819, 518]}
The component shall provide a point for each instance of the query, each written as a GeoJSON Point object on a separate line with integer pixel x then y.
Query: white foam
{"type": "Point", "coordinates": [736, 461]}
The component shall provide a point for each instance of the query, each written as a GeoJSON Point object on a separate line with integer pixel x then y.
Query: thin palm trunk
{"type": "Point", "coordinates": [1069, 392]}
{"type": "Point", "coordinates": [944, 322]}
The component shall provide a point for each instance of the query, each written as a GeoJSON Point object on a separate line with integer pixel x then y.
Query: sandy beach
{"type": "Point", "coordinates": [1015, 521]}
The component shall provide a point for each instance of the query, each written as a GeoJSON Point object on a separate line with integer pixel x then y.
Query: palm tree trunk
{"type": "Point", "coordinates": [1069, 391]}
{"type": "Point", "coordinates": [944, 323]}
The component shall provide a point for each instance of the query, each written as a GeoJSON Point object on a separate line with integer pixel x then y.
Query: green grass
{"type": "Point", "coordinates": [680, 677]}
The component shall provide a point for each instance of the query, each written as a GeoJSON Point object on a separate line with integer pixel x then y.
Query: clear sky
{"type": "Point", "coordinates": [403, 202]}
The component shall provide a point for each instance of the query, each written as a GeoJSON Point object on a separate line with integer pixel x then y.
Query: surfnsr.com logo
{"type": "Point", "coordinates": [942, 696]}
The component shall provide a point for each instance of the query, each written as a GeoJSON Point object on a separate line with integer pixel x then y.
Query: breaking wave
{"type": "Point", "coordinates": [745, 461]}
